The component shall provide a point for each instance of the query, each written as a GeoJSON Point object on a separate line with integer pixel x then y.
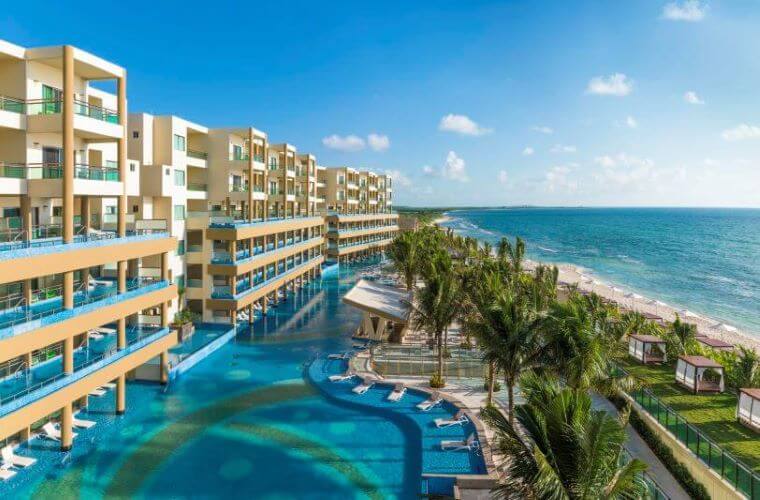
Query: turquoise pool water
{"type": "Point", "coordinates": [254, 420]}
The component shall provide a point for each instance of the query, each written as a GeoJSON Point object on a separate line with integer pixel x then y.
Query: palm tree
{"type": "Point", "coordinates": [514, 254]}
{"type": "Point", "coordinates": [683, 333]}
{"type": "Point", "coordinates": [563, 449]}
{"type": "Point", "coordinates": [437, 303]}
{"type": "Point", "coordinates": [507, 330]}
{"type": "Point", "coordinates": [403, 252]}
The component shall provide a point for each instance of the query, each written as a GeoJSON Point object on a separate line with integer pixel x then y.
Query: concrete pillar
{"type": "Point", "coordinates": [121, 334]}
{"type": "Point", "coordinates": [164, 367]}
{"type": "Point", "coordinates": [250, 313]}
{"type": "Point", "coordinates": [233, 250]}
{"type": "Point", "coordinates": [28, 360]}
{"type": "Point", "coordinates": [121, 394]}
{"type": "Point", "coordinates": [250, 174]}
{"type": "Point", "coordinates": [26, 217]}
{"type": "Point", "coordinates": [264, 305]}
{"type": "Point", "coordinates": [67, 432]}
{"type": "Point", "coordinates": [68, 355]}
{"type": "Point", "coordinates": [121, 95]}
{"type": "Point", "coordinates": [68, 290]}
{"type": "Point", "coordinates": [26, 434]}
{"type": "Point", "coordinates": [165, 266]}
{"type": "Point", "coordinates": [121, 276]}
{"type": "Point", "coordinates": [84, 212]}
{"type": "Point", "coordinates": [68, 143]}
{"type": "Point", "coordinates": [27, 288]}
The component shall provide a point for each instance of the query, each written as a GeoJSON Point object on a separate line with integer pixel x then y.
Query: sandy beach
{"type": "Point", "coordinates": [442, 220]}
{"type": "Point", "coordinates": [706, 326]}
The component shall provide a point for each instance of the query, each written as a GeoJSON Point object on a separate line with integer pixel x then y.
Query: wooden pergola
{"type": "Point", "coordinates": [691, 370]}
{"type": "Point", "coordinates": [648, 349]}
{"type": "Point", "coordinates": [748, 408]}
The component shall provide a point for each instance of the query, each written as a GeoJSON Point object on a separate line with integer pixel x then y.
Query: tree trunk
{"type": "Point", "coordinates": [440, 356]}
{"type": "Point", "coordinates": [491, 382]}
{"type": "Point", "coordinates": [511, 403]}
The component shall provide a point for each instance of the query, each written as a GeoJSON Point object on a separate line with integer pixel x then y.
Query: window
{"type": "Point", "coordinates": [132, 167]}
{"type": "Point", "coordinates": [341, 195]}
{"type": "Point", "coordinates": [179, 212]}
{"type": "Point", "coordinates": [57, 211]}
{"type": "Point", "coordinates": [341, 179]}
{"type": "Point", "coordinates": [237, 152]}
{"type": "Point", "coordinates": [135, 134]}
{"type": "Point", "coordinates": [181, 247]}
{"type": "Point", "coordinates": [272, 163]}
{"type": "Point", "coordinates": [179, 177]}
{"type": "Point", "coordinates": [179, 143]}
{"type": "Point", "coordinates": [135, 208]}
{"type": "Point", "coordinates": [272, 187]}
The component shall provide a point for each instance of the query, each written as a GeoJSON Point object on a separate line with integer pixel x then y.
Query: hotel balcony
{"type": "Point", "coordinates": [334, 218]}
{"type": "Point", "coordinates": [228, 228]}
{"type": "Point", "coordinates": [27, 328]}
{"type": "Point", "coordinates": [197, 158]}
{"type": "Point", "coordinates": [41, 251]}
{"type": "Point", "coordinates": [248, 292]}
{"type": "Point", "coordinates": [348, 248]}
{"type": "Point", "coordinates": [90, 121]}
{"type": "Point", "coordinates": [12, 113]}
{"type": "Point", "coordinates": [197, 191]}
{"type": "Point", "coordinates": [43, 180]}
{"type": "Point", "coordinates": [222, 263]}
{"type": "Point", "coordinates": [31, 395]}
{"type": "Point", "coordinates": [363, 231]}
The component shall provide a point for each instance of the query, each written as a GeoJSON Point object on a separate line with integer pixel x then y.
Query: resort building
{"type": "Point", "coordinates": [359, 217]}
{"type": "Point", "coordinates": [84, 278]}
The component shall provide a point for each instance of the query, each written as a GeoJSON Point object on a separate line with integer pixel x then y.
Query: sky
{"type": "Point", "coordinates": [624, 103]}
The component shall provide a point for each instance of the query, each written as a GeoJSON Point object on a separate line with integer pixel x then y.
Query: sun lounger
{"type": "Point", "coordinates": [458, 419]}
{"type": "Point", "coordinates": [109, 385]}
{"type": "Point", "coordinates": [94, 335]}
{"type": "Point", "coordinates": [364, 386]}
{"type": "Point", "coordinates": [6, 474]}
{"type": "Point", "coordinates": [343, 376]}
{"type": "Point", "coordinates": [82, 424]}
{"type": "Point", "coordinates": [344, 355]}
{"type": "Point", "coordinates": [106, 330]}
{"type": "Point", "coordinates": [97, 392]}
{"type": "Point", "coordinates": [433, 400]}
{"type": "Point", "coordinates": [470, 444]}
{"type": "Point", "coordinates": [9, 457]}
{"type": "Point", "coordinates": [49, 431]}
{"type": "Point", "coordinates": [397, 393]}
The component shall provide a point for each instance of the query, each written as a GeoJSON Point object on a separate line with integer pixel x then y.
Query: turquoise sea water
{"type": "Point", "coordinates": [256, 419]}
{"type": "Point", "coordinates": [706, 260]}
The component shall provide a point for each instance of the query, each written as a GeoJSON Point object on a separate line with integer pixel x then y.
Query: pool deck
{"type": "Point", "coordinates": [472, 401]}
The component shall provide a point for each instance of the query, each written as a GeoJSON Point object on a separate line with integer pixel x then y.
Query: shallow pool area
{"type": "Point", "coordinates": [255, 419]}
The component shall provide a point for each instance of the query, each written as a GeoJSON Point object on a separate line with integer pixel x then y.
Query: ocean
{"type": "Point", "coordinates": [703, 259]}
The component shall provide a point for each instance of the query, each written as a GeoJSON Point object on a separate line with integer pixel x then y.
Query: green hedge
{"type": "Point", "coordinates": [694, 488]}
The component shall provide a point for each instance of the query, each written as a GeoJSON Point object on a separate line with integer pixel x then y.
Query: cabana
{"type": "Point", "coordinates": [647, 348]}
{"type": "Point", "coordinates": [748, 409]}
{"type": "Point", "coordinates": [716, 344]}
{"type": "Point", "coordinates": [699, 374]}
{"type": "Point", "coordinates": [652, 317]}
{"type": "Point", "coordinates": [386, 310]}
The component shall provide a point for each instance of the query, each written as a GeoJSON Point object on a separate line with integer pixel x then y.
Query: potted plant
{"type": "Point", "coordinates": [183, 321]}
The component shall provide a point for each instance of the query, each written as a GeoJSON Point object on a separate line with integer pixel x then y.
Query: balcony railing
{"type": "Point", "coordinates": [55, 171]}
{"type": "Point", "coordinates": [194, 186]}
{"type": "Point", "coordinates": [224, 291]}
{"type": "Point", "coordinates": [200, 155]}
{"type": "Point", "coordinates": [243, 256]}
{"type": "Point", "coordinates": [52, 107]}
{"type": "Point", "coordinates": [11, 104]}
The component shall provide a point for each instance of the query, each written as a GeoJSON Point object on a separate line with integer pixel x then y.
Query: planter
{"type": "Point", "coordinates": [185, 330]}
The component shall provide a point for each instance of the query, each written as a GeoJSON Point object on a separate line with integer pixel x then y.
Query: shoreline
{"type": "Point", "coordinates": [706, 326]}
{"type": "Point", "coordinates": [442, 220]}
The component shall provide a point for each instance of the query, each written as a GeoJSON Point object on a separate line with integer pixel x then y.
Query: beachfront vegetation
{"type": "Point", "coordinates": [563, 448]}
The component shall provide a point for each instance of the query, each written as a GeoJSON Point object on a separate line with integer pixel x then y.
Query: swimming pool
{"type": "Point", "coordinates": [252, 420]}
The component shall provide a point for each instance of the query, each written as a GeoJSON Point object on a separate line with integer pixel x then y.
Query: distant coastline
{"type": "Point", "coordinates": [619, 290]}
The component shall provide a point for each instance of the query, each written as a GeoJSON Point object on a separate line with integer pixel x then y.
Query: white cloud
{"type": "Point", "coordinates": [625, 170]}
{"type": "Point", "coordinates": [543, 129]}
{"type": "Point", "coordinates": [688, 10]}
{"type": "Point", "coordinates": [428, 170]}
{"type": "Point", "coordinates": [692, 98]}
{"type": "Point", "coordinates": [503, 177]}
{"type": "Point", "coordinates": [349, 143]}
{"type": "Point", "coordinates": [741, 132]}
{"type": "Point", "coordinates": [631, 122]}
{"type": "Point", "coordinates": [378, 142]}
{"type": "Point", "coordinates": [558, 179]}
{"type": "Point", "coordinates": [605, 161]}
{"type": "Point", "coordinates": [617, 85]}
{"type": "Point", "coordinates": [563, 148]}
{"type": "Point", "coordinates": [454, 168]}
{"type": "Point", "coordinates": [399, 178]}
{"type": "Point", "coordinates": [528, 151]}
{"type": "Point", "coordinates": [461, 124]}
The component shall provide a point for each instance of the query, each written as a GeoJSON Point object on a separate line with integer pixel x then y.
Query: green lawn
{"type": "Point", "coordinates": [712, 414]}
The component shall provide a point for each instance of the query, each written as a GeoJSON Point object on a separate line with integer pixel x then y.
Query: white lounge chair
{"type": "Point", "coordinates": [343, 376]}
{"type": "Point", "coordinates": [458, 419]}
{"type": "Point", "coordinates": [434, 400]}
{"type": "Point", "coordinates": [397, 393]}
{"type": "Point", "coordinates": [343, 355]}
{"type": "Point", "coordinates": [9, 457]}
{"type": "Point", "coordinates": [470, 444]}
{"type": "Point", "coordinates": [6, 474]}
{"type": "Point", "coordinates": [49, 431]}
{"type": "Point", "coordinates": [98, 392]}
{"type": "Point", "coordinates": [95, 335]}
{"type": "Point", "coordinates": [364, 386]}
{"type": "Point", "coordinates": [109, 385]}
{"type": "Point", "coordinates": [82, 424]}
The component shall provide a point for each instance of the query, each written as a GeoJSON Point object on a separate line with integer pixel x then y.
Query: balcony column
{"type": "Point", "coordinates": [67, 433]}
{"type": "Point", "coordinates": [233, 251]}
{"type": "Point", "coordinates": [84, 212]}
{"type": "Point", "coordinates": [68, 355]}
{"type": "Point", "coordinates": [122, 151]}
{"type": "Point", "coordinates": [250, 174]}
{"type": "Point", "coordinates": [164, 367]}
{"type": "Point", "coordinates": [265, 180]}
{"type": "Point", "coordinates": [26, 217]}
{"type": "Point", "coordinates": [165, 277]}
{"type": "Point", "coordinates": [228, 209]}
{"type": "Point", "coordinates": [68, 144]}
{"type": "Point", "coordinates": [121, 394]}
{"type": "Point", "coordinates": [250, 313]}
{"type": "Point", "coordinates": [121, 284]}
